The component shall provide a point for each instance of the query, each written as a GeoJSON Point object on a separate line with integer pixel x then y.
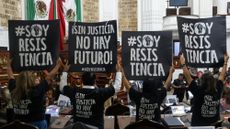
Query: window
{"type": "Point", "coordinates": [178, 2]}
{"type": "Point", "coordinates": [176, 53]}
{"type": "Point", "coordinates": [176, 48]}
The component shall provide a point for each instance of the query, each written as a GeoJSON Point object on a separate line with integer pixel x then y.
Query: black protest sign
{"type": "Point", "coordinates": [203, 41]}
{"type": "Point", "coordinates": [146, 54]}
{"type": "Point", "coordinates": [34, 45]}
{"type": "Point", "coordinates": [93, 46]}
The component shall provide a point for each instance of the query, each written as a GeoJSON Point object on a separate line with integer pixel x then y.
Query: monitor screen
{"type": "Point", "coordinates": [178, 2]}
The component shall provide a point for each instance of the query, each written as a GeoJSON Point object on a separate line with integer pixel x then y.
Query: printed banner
{"type": "Point", "coordinates": [203, 41]}
{"type": "Point", "coordinates": [34, 45]}
{"type": "Point", "coordinates": [146, 54]}
{"type": "Point", "coordinates": [93, 46]}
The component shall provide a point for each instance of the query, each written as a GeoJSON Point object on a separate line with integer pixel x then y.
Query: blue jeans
{"type": "Point", "coordinates": [40, 124]}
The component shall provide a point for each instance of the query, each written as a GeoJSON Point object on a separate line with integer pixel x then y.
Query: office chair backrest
{"type": "Point", "coordinates": [18, 125]}
{"type": "Point", "coordinates": [145, 124]}
{"type": "Point", "coordinates": [115, 110]}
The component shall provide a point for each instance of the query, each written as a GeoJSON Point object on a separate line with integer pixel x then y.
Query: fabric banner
{"type": "Point", "coordinates": [34, 45]}
{"type": "Point", "coordinates": [203, 41]}
{"type": "Point", "coordinates": [64, 10]}
{"type": "Point", "coordinates": [146, 54]}
{"type": "Point", "coordinates": [93, 46]}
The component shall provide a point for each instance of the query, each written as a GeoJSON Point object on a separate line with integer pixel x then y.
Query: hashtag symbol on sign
{"type": "Point", "coordinates": [132, 40]}
{"type": "Point", "coordinates": [20, 30]}
{"type": "Point", "coordinates": [185, 27]}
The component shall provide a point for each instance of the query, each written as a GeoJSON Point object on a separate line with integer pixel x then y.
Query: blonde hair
{"type": "Point", "coordinates": [24, 82]}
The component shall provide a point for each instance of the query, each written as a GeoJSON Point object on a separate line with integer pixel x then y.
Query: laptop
{"type": "Point", "coordinates": [178, 110]}
{"type": "Point", "coordinates": [53, 110]}
{"type": "Point", "coordinates": [173, 122]}
{"type": "Point", "coordinates": [202, 127]}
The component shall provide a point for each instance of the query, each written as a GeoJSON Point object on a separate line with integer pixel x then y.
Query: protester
{"type": "Point", "coordinates": [216, 72]}
{"type": "Point", "coordinates": [227, 81]}
{"type": "Point", "coordinates": [198, 79]}
{"type": "Point", "coordinates": [28, 95]}
{"type": "Point", "coordinates": [179, 86]}
{"type": "Point", "coordinates": [225, 100]}
{"type": "Point", "coordinates": [149, 100]}
{"type": "Point", "coordinates": [88, 100]}
{"type": "Point", "coordinates": [206, 106]}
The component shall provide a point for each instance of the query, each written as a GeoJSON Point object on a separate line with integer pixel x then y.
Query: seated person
{"type": "Point", "coordinates": [88, 100]}
{"type": "Point", "coordinates": [152, 95]}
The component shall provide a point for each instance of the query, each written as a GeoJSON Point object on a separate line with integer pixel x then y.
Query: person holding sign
{"type": "Point", "coordinates": [148, 102]}
{"type": "Point", "coordinates": [88, 100]}
{"type": "Point", "coordinates": [206, 103]}
{"type": "Point", "coordinates": [28, 95]}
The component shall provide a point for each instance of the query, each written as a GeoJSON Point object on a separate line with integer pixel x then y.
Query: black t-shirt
{"type": "Point", "coordinates": [148, 105]}
{"type": "Point", "coordinates": [32, 107]}
{"type": "Point", "coordinates": [88, 104]}
{"type": "Point", "coordinates": [205, 110]}
{"type": "Point", "coordinates": [177, 83]}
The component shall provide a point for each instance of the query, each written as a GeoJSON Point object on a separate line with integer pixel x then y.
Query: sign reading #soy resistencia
{"type": "Point", "coordinates": [146, 54]}
{"type": "Point", "coordinates": [203, 41]}
{"type": "Point", "coordinates": [33, 44]}
{"type": "Point", "coordinates": [93, 46]}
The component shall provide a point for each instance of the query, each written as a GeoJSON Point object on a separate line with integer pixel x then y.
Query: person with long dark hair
{"type": "Point", "coordinates": [206, 101]}
{"type": "Point", "coordinates": [28, 95]}
{"type": "Point", "coordinates": [149, 100]}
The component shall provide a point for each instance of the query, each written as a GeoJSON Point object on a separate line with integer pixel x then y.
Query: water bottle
{"type": "Point", "coordinates": [225, 124]}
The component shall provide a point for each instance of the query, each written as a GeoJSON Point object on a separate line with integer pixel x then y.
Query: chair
{"type": "Point", "coordinates": [185, 11]}
{"type": "Point", "coordinates": [171, 12]}
{"type": "Point", "coordinates": [18, 125]}
{"type": "Point", "coordinates": [115, 110]}
{"type": "Point", "coordinates": [80, 125]}
{"type": "Point", "coordinates": [145, 124]}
